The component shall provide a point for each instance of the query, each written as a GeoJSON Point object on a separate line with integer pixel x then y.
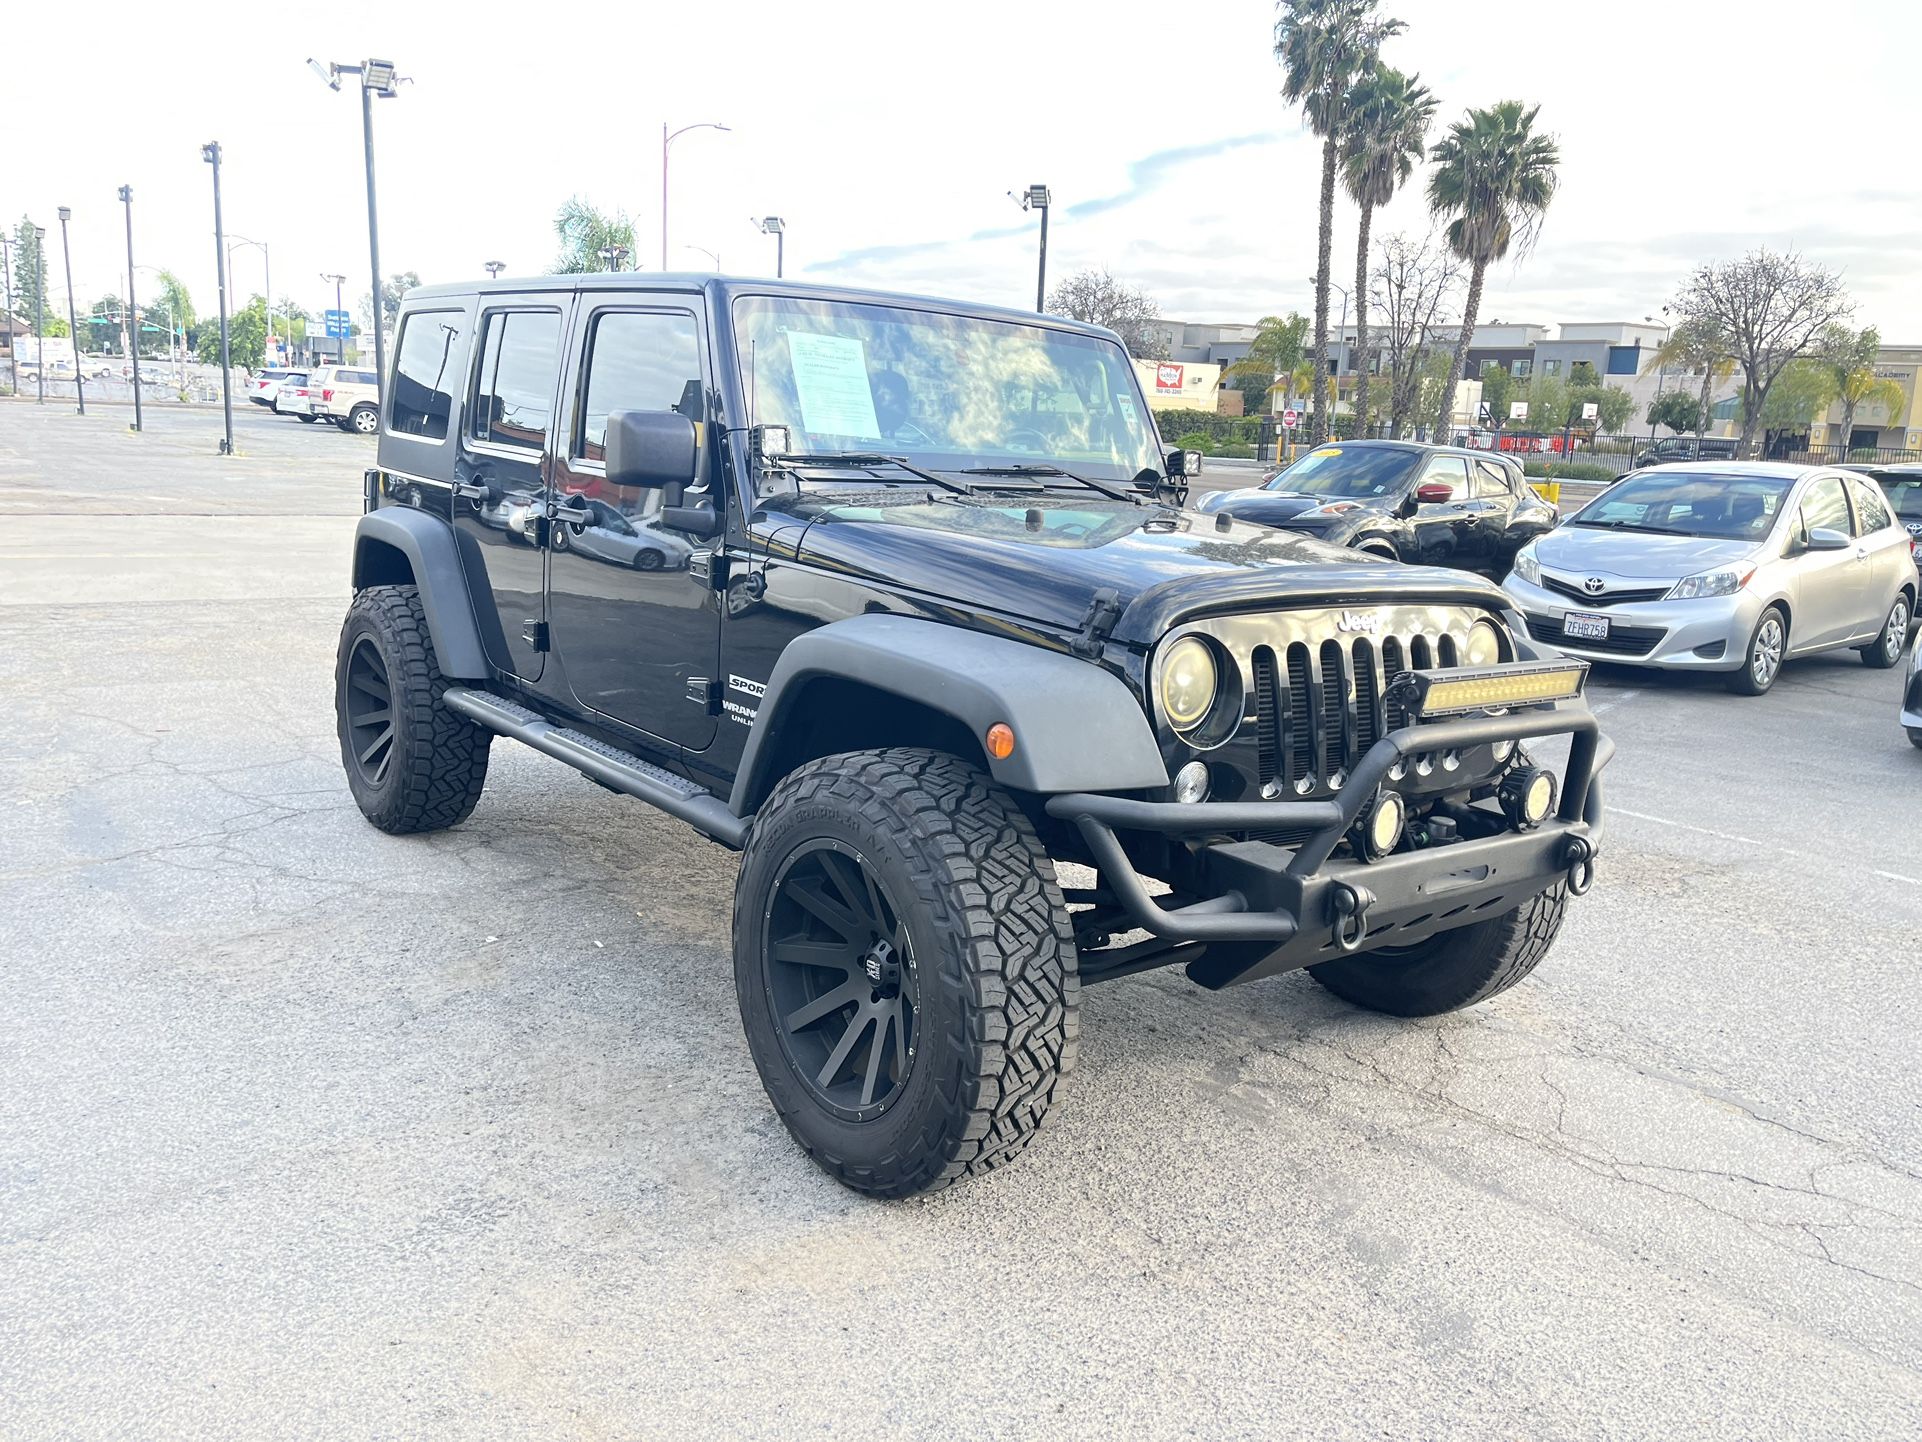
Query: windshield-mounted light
{"type": "Point", "coordinates": [1723, 581]}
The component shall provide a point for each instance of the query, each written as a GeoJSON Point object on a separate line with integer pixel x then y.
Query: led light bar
{"type": "Point", "coordinates": [1460, 690]}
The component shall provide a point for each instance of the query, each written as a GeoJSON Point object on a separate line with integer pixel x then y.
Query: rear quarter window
{"type": "Point", "coordinates": [428, 363]}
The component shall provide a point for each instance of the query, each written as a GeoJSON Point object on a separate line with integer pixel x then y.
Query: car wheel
{"type": "Point", "coordinates": [1762, 659]}
{"type": "Point", "coordinates": [1915, 737]}
{"type": "Point", "coordinates": [309, 419]}
{"type": "Point", "coordinates": [648, 560]}
{"type": "Point", "coordinates": [1376, 546]}
{"type": "Point", "coordinates": [1892, 643]}
{"type": "Point", "coordinates": [1452, 969]}
{"type": "Point", "coordinates": [412, 764]}
{"type": "Point", "coordinates": [344, 423]}
{"type": "Point", "coordinates": [905, 969]}
{"type": "Point", "coordinates": [365, 420]}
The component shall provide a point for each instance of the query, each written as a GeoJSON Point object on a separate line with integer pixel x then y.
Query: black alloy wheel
{"type": "Point", "coordinates": [370, 712]}
{"type": "Point", "coordinates": [841, 982]}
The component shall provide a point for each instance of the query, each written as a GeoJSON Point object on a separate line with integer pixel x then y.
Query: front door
{"type": "Point", "coordinates": [1831, 587]}
{"type": "Point", "coordinates": [500, 483]}
{"type": "Point", "coordinates": [1443, 528]}
{"type": "Point", "coordinates": [635, 619]}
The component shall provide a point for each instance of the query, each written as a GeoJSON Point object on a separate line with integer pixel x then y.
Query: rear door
{"type": "Point", "coordinates": [500, 467]}
{"type": "Point", "coordinates": [1887, 547]}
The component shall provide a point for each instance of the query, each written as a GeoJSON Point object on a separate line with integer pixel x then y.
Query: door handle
{"type": "Point", "coordinates": [574, 515]}
{"type": "Point", "coordinates": [468, 491]}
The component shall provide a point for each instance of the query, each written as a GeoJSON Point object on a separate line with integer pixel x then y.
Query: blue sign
{"type": "Point", "coordinates": [337, 324]}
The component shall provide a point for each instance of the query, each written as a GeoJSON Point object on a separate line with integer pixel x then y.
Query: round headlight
{"type": "Point", "coordinates": [1188, 683]}
{"type": "Point", "coordinates": [1191, 782]}
{"type": "Point", "coordinates": [1484, 645]}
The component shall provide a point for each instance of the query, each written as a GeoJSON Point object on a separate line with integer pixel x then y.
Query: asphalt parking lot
{"type": "Point", "coordinates": [310, 1131]}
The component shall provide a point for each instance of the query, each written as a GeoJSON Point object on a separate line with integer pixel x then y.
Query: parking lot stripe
{"type": "Point", "coordinates": [1745, 840]}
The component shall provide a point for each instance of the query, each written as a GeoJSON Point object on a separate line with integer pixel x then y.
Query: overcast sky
{"type": "Point", "coordinates": [888, 135]}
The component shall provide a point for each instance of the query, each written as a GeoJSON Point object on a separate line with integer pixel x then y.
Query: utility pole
{"type": "Point", "coordinates": [133, 311]}
{"type": "Point", "coordinates": [210, 153]}
{"type": "Point", "coordinates": [73, 321]}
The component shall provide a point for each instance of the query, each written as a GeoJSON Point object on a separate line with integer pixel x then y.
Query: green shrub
{"type": "Point", "coordinates": [1548, 470]}
{"type": "Point", "coordinates": [1235, 451]}
{"type": "Point", "coordinates": [1196, 441]}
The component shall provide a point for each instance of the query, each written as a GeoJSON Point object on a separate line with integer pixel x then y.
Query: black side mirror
{"type": "Point", "coordinates": [1184, 463]}
{"type": "Point", "coordinates": [653, 450]}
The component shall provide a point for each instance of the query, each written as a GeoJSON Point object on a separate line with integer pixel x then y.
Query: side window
{"type": "Point", "coordinates": [1871, 515]}
{"type": "Point", "coordinates": [638, 361]}
{"type": "Point", "coordinates": [426, 363]}
{"type": "Point", "coordinates": [1826, 506]}
{"type": "Point", "coordinates": [513, 403]}
{"type": "Point", "coordinates": [1452, 470]}
{"type": "Point", "coordinates": [1492, 483]}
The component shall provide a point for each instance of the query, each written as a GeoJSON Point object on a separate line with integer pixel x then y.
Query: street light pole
{"type": "Point", "coordinates": [340, 355]}
{"type": "Point", "coordinates": [1038, 197]}
{"type": "Point", "coordinates": [13, 351]}
{"type": "Point", "coordinates": [40, 315]}
{"type": "Point", "coordinates": [73, 321]}
{"type": "Point", "coordinates": [211, 154]}
{"type": "Point", "coordinates": [234, 243]}
{"type": "Point", "coordinates": [667, 140]}
{"type": "Point", "coordinates": [775, 226]}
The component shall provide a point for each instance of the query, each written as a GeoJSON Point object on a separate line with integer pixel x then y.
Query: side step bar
{"type": "Point", "coordinates": [619, 770]}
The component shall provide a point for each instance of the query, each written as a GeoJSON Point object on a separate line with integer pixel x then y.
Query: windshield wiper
{"type": "Point", "coordinates": [1112, 492]}
{"type": "Point", "coordinates": [867, 461]}
{"type": "Point", "coordinates": [1630, 526]}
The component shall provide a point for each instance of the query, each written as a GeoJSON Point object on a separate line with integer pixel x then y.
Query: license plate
{"type": "Point", "coordinates": [1579, 626]}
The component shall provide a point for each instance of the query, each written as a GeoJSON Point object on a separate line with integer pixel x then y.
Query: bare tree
{"type": "Point", "coordinates": [1769, 308]}
{"type": "Point", "coordinates": [1410, 290]}
{"type": "Point", "coordinates": [1095, 297]}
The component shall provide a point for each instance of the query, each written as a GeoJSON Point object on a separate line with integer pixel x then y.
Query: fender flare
{"type": "Point", "coordinates": [1077, 727]}
{"type": "Point", "coordinates": [429, 549]}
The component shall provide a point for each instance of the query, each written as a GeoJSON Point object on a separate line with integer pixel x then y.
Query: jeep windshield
{"type": "Point", "coordinates": [1024, 406]}
{"type": "Point", "coordinates": [1357, 472]}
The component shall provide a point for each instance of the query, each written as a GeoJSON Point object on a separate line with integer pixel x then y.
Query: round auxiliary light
{"type": "Point", "coordinates": [1503, 750]}
{"type": "Point", "coordinates": [1484, 646]}
{"type": "Point", "coordinates": [1381, 828]}
{"type": "Point", "coordinates": [1527, 795]}
{"type": "Point", "coordinates": [1191, 782]}
{"type": "Point", "coordinates": [1000, 741]}
{"type": "Point", "coordinates": [1189, 681]}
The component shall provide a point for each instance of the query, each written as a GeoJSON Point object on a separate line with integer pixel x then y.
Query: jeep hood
{"type": "Point", "coordinates": [1045, 559]}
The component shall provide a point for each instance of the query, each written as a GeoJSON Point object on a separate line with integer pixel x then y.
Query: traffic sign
{"type": "Point", "coordinates": [1290, 418]}
{"type": "Point", "coordinates": [337, 324]}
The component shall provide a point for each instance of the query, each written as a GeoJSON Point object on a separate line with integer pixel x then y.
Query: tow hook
{"type": "Point", "coordinates": [1350, 905]}
{"type": "Point", "coordinates": [1580, 860]}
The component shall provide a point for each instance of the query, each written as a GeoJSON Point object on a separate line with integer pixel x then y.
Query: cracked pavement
{"type": "Point", "coordinates": [310, 1131]}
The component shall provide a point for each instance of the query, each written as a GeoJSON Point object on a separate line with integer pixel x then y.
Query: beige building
{"type": "Point", "coordinates": [1876, 427]}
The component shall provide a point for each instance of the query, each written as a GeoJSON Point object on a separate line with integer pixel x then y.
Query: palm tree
{"type": "Point", "coordinates": [1863, 387]}
{"type": "Point", "coordinates": [1495, 177]}
{"type": "Point", "coordinates": [1696, 345]}
{"type": "Point", "coordinates": [585, 232]}
{"type": "Point", "coordinates": [1275, 351]}
{"type": "Point", "coordinates": [1323, 47]}
{"type": "Point", "coordinates": [1387, 132]}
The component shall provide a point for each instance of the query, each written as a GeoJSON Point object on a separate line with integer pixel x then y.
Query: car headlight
{"type": "Point", "coordinates": [1484, 645]}
{"type": "Point", "coordinates": [1189, 681]}
{"type": "Point", "coordinates": [1724, 581]}
{"type": "Point", "coordinates": [1528, 566]}
{"type": "Point", "coordinates": [1329, 510]}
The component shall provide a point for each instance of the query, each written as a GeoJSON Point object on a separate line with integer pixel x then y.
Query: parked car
{"type": "Point", "coordinates": [593, 528]}
{"type": "Point", "coordinates": [1902, 487]}
{"type": "Point", "coordinates": [1671, 449]}
{"type": "Point", "coordinates": [1405, 500]}
{"type": "Point", "coordinates": [1912, 699]}
{"type": "Point", "coordinates": [1732, 567]}
{"type": "Point", "coordinates": [935, 631]}
{"type": "Point", "coordinates": [265, 385]}
{"type": "Point", "coordinates": [349, 397]}
{"type": "Point", "coordinates": [296, 398]}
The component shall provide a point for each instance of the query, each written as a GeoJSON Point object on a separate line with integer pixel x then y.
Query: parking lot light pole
{"type": "Point", "coordinates": [1038, 197]}
{"type": "Point", "coordinates": [13, 349]}
{"type": "Point", "coordinates": [613, 256]}
{"type": "Point", "coordinates": [775, 226]}
{"type": "Point", "coordinates": [73, 321]}
{"type": "Point", "coordinates": [133, 311]}
{"type": "Point", "coordinates": [377, 77]}
{"type": "Point", "coordinates": [210, 153]}
{"type": "Point", "coordinates": [40, 316]}
{"type": "Point", "coordinates": [494, 268]}
{"type": "Point", "coordinates": [667, 140]}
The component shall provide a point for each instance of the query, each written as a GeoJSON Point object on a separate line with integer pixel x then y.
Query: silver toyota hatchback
{"type": "Point", "coordinates": [1723, 566]}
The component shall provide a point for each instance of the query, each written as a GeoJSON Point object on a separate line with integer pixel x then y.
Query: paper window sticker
{"type": "Point", "coordinates": [831, 384]}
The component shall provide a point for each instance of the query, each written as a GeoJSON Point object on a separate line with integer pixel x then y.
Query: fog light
{"type": "Point", "coordinates": [1527, 796]}
{"type": "Point", "coordinates": [1503, 750]}
{"type": "Point", "coordinates": [1191, 782]}
{"type": "Point", "coordinates": [1381, 828]}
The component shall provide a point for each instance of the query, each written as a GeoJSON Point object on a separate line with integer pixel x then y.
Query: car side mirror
{"type": "Point", "coordinates": [1184, 463]}
{"type": "Point", "coordinates": [1821, 538]}
{"type": "Point", "coordinates": [652, 450]}
{"type": "Point", "coordinates": [1433, 493]}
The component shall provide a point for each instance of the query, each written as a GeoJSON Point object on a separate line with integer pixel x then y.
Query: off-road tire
{"type": "Point", "coordinates": [996, 1023]}
{"type": "Point", "coordinates": [1889, 647]}
{"type": "Point", "coordinates": [1452, 969]}
{"type": "Point", "coordinates": [439, 757]}
{"type": "Point", "coordinates": [1743, 681]}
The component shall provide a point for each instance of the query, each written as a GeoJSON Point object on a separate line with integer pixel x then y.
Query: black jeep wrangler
{"type": "Point", "coordinates": [885, 594]}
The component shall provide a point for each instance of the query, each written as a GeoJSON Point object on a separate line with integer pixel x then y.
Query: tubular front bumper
{"type": "Point", "coordinates": [1267, 908]}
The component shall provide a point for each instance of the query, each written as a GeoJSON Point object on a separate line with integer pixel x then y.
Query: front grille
{"type": "Point", "coordinates": [1626, 597]}
{"type": "Point", "coordinates": [1319, 706]}
{"type": "Point", "coordinates": [1622, 640]}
